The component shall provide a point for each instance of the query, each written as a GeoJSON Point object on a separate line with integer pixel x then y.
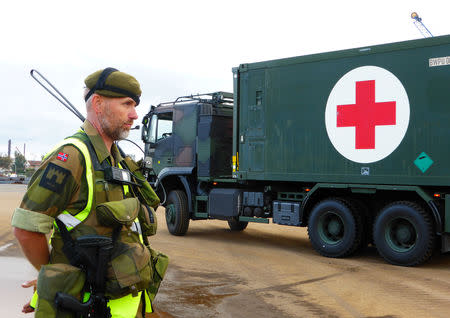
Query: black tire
{"type": "Point", "coordinates": [403, 233]}
{"type": "Point", "coordinates": [334, 228]}
{"type": "Point", "coordinates": [236, 225]}
{"type": "Point", "coordinates": [361, 208]}
{"type": "Point", "coordinates": [177, 213]}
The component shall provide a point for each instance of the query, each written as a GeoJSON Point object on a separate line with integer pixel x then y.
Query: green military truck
{"type": "Point", "coordinates": [353, 144]}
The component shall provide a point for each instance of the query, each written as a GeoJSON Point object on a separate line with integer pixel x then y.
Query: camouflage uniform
{"type": "Point", "coordinates": [60, 185]}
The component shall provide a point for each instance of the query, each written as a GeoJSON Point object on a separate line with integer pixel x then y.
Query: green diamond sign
{"type": "Point", "coordinates": [423, 162]}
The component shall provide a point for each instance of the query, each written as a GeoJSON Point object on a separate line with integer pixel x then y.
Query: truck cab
{"type": "Point", "coordinates": [187, 144]}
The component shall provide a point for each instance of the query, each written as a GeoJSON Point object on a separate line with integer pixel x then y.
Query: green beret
{"type": "Point", "coordinates": [110, 82]}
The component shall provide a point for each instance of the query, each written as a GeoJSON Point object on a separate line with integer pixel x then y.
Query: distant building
{"type": "Point", "coordinates": [33, 164]}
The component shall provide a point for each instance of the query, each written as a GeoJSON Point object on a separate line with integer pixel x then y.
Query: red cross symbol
{"type": "Point", "coordinates": [365, 115]}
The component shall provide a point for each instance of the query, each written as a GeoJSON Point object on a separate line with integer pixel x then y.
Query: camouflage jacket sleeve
{"type": "Point", "coordinates": [56, 186]}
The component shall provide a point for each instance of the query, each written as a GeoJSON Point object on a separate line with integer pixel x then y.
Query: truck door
{"type": "Point", "coordinates": [185, 121]}
{"type": "Point", "coordinates": [164, 142]}
{"type": "Point", "coordinates": [252, 127]}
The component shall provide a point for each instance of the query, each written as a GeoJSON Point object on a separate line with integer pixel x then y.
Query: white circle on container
{"type": "Point", "coordinates": [381, 115]}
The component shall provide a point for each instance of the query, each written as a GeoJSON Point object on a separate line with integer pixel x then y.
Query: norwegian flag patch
{"type": "Point", "coordinates": [62, 156]}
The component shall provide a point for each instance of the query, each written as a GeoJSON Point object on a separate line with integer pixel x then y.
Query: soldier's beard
{"type": "Point", "coordinates": [113, 129]}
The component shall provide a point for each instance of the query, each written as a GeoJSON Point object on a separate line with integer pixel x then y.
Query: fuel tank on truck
{"type": "Point", "coordinates": [375, 115]}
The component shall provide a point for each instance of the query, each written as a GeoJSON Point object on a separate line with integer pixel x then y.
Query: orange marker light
{"type": "Point", "coordinates": [437, 195]}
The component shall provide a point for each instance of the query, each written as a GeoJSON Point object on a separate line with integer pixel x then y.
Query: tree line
{"type": "Point", "coordinates": [16, 165]}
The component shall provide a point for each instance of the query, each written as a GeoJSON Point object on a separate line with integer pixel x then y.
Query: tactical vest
{"type": "Point", "coordinates": [99, 191]}
{"type": "Point", "coordinates": [85, 222]}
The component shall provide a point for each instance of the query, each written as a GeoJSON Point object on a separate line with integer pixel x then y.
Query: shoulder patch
{"type": "Point", "coordinates": [62, 156]}
{"type": "Point", "coordinates": [54, 178]}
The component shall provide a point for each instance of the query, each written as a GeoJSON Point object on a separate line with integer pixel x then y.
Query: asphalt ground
{"type": "Point", "coordinates": [264, 271]}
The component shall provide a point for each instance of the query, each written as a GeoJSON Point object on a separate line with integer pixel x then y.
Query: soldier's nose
{"type": "Point", "coordinates": [133, 114]}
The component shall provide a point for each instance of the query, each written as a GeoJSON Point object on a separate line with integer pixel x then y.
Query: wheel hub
{"type": "Point", "coordinates": [401, 235]}
{"type": "Point", "coordinates": [331, 228]}
{"type": "Point", "coordinates": [334, 227]}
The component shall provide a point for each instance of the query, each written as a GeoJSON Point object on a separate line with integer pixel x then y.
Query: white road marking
{"type": "Point", "coordinates": [4, 247]}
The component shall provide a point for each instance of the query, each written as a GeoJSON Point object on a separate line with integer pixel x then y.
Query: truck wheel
{"type": "Point", "coordinates": [334, 228]}
{"type": "Point", "coordinates": [177, 213]}
{"type": "Point", "coordinates": [403, 234]}
{"type": "Point", "coordinates": [361, 208]}
{"type": "Point", "coordinates": [236, 225]}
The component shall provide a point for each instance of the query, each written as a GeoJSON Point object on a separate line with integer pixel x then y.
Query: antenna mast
{"type": "Point", "coordinates": [420, 26]}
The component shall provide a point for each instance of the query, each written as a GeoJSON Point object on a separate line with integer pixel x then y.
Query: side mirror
{"type": "Point", "coordinates": [144, 131]}
{"type": "Point", "coordinates": [148, 132]}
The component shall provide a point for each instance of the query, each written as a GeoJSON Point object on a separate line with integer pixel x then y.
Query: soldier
{"type": "Point", "coordinates": [71, 191]}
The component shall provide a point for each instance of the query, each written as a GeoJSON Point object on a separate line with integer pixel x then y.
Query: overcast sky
{"type": "Point", "coordinates": [172, 47]}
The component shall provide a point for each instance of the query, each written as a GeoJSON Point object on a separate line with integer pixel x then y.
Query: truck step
{"type": "Point", "coordinates": [200, 211]}
{"type": "Point", "coordinates": [251, 219]}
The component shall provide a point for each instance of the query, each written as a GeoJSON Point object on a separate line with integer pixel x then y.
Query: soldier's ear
{"type": "Point", "coordinates": [97, 103]}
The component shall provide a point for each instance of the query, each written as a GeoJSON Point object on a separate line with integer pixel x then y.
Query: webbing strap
{"type": "Point", "coordinates": [100, 84]}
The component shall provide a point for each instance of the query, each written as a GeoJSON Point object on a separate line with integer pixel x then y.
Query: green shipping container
{"type": "Point", "coordinates": [373, 115]}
